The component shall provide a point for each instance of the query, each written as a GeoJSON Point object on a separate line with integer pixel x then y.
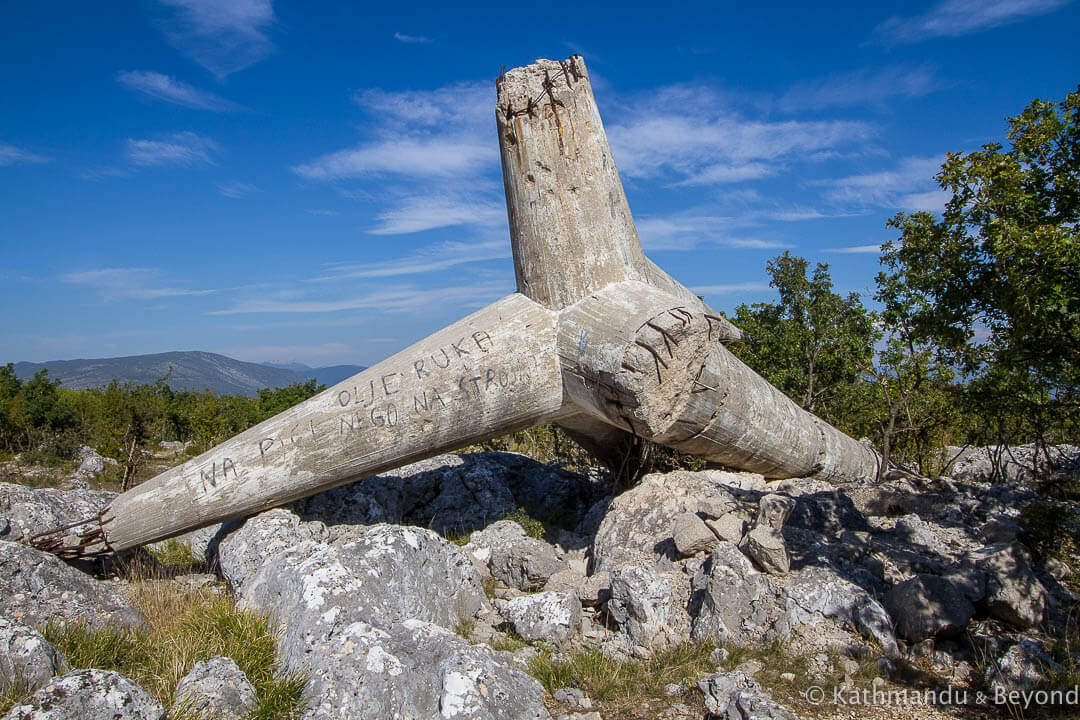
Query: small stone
{"type": "Point", "coordinates": [765, 545]}
{"type": "Point", "coordinates": [787, 677]}
{"type": "Point", "coordinates": [750, 668]}
{"type": "Point", "coordinates": [728, 527]}
{"type": "Point", "coordinates": [217, 688]}
{"type": "Point", "coordinates": [595, 589]}
{"type": "Point", "coordinates": [720, 656]}
{"type": "Point", "coordinates": [773, 511]}
{"type": "Point", "coordinates": [1022, 667]}
{"type": "Point", "coordinates": [573, 697]}
{"type": "Point", "coordinates": [673, 689]}
{"type": "Point", "coordinates": [692, 535]}
{"type": "Point", "coordinates": [550, 617]}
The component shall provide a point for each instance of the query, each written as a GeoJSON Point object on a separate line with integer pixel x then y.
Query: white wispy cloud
{"type": "Point", "coordinates": [180, 148]}
{"type": "Point", "coordinates": [413, 39]}
{"type": "Point", "coordinates": [708, 142]}
{"type": "Point", "coordinates": [223, 36]}
{"type": "Point", "coordinates": [237, 190]}
{"type": "Point", "coordinates": [865, 87]}
{"type": "Point", "coordinates": [400, 299]}
{"type": "Point", "coordinates": [418, 134]}
{"type": "Point", "coordinates": [415, 157]}
{"type": "Point", "coordinates": [11, 155]}
{"type": "Point", "coordinates": [432, 258]}
{"type": "Point", "coordinates": [731, 288]}
{"type": "Point", "coordinates": [910, 186]}
{"type": "Point", "coordinates": [135, 283]}
{"type": "Point", "coordinates": [471, 104]}
{"type": "Point", "coordinates": [856, 250]}
{"type": "Point", "coordinates": [962, 17]}
{"type": "Point", "coordinates": [169, 89]}
{"type": "Point", "coordinates": [425, 212]}
{"type": "Point", "coordinates": [692, 229]}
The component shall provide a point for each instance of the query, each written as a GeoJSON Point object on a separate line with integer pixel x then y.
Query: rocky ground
{"type": "Point", "coordinates": [491, 586]}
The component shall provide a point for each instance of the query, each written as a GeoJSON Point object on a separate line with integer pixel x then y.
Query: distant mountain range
{"type": "Point", "coordinates": [191, 370]}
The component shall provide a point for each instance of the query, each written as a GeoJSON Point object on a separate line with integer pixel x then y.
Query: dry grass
{"type": "Point", "coordinates": [183, 627]}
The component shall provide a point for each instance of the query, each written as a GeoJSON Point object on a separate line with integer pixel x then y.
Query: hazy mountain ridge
{"type": "Point", "coordinates": [190, 370]}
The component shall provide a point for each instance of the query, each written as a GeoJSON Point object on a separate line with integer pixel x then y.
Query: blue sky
{"type": "Point", "coordinates": [319, 182]}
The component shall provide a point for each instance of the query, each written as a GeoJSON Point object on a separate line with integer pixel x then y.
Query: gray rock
{"type": "Point", "coordinates": [26, 656]}
{"type": "Point", "coordinates": [766, 546]}
{"type": "Point", "coordinates": [636, 529]}
{"type": "Point", "coordinates": [649, 608]}
{"type": "Point", "coordinates": [88, 695]}
{"type": "Point", "coordinates": [595, 589]}
{"type": "Point", "coordinates": [734, 696]}
{"type": "Point", "coordinates": [260, 540]}
{"type": "Point", "coordinates": [367, 614]}
{"type": "Point", "coordinates": [216, 688]}
{"type": "Point", "coordinates": [827, 511]}
{"type": "Point", "coordinates": [90, 462]}
{"type": "Point", "coordinates": [773, 511]}
{"type": "Point", "coordinates": [1013, 592]}
{"type": "Point", "coordinates": [1022, 667]}
{"type": "Point", "coordinates": [692, 535]}
{"type": "Point", "coordinates": [36, 587]}
{"type": "Point", "coordinates": [457, 493]}
{"type": "Point", "coordinates": [1020, 463]}
{"type": "Point", "coordinates": [525, 563]}
{"type": "Point", "coordinates": [384, 574]}
{"type": "Point", "coordinates": [547, 617]}
{"type": "Point", "coordinates": [1000, 529]}
{"type": "Point", "coordinates": [928, 606]}
{"type": "Point", "coordinates": [738, 604]}
{"type": "Point", "coordinates": [729, 527]}
{"type": "Point", "coordinates": [572, 697]}
{"type": "Point", "coordinates": [913, 529]}
{"type": "Point", "coordinates": [818, 594]}
{"type": "Point", "coordinates": [30, 511]}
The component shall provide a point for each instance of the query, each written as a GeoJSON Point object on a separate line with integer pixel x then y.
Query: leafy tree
{"type": "Point", "coordinates": [813, 343]}
{"type": "Point", "coordinates": [271, 402]}
{"type": "Point", "coordinates": [994, 285]}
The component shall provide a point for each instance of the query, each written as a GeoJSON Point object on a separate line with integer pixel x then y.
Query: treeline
{"type": "Point", "coordinates": [977, 339]}
{"type": "Point", "coordinates": [47, 422]}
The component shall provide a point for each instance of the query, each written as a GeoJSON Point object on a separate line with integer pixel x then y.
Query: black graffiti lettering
{"type": "Point", "coordinates": [226, 465]}
{"type": "Point", "coordinates": [344, 422]}
{"type": "Point", "coordinates": [445, 357]}
{"type": "Point", "coordinates": [436, 396]}
{"type": "Point", "coordinates": [377, 417]}
{"type": "Point", "coordinates": [476, 384]}
{"type": "Point", "coordinates": [264, 445]}
{"type": "Point", "coordinates": [211, 476]}
{"type": "Point", "coordinates": [419, 367]}
{"type": "Point", "coordinates": [479, 337]}
{"type": "Point", "coordinates": [343, 398]}
{"type": "Point", "coordinates": [459, 350]}
{"type": "Point", "coordinates": [419, 404]}
{"type": "Point", "coordinates": [371, 396]}
{"type": "Point", "coordinates": [385, 387]}
{"type": "Point", "coordinates": [391, 415]}
{"type": "Point", "coordinates": [489, 380]}
{"type": "Point", "coordinates": [504, 378]}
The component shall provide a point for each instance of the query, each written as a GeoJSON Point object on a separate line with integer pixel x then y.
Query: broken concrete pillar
{"type": "Point", "coordinates": [598, 339]}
